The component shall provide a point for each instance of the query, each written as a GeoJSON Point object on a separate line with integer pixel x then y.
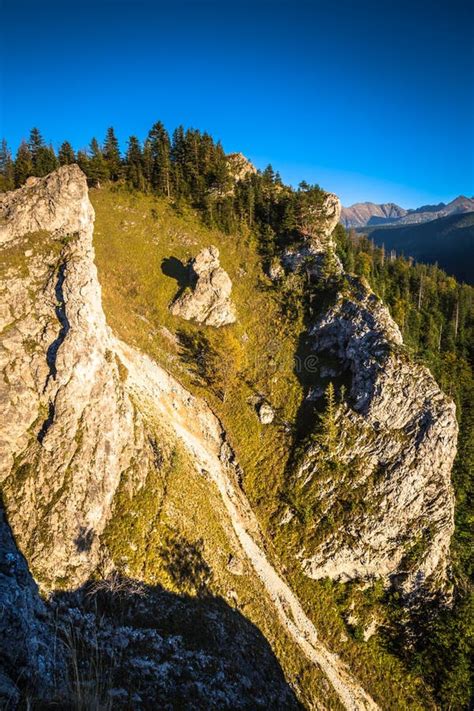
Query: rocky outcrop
{"type": "Point", "coordinates": [398, 436]}
{"type": "Point", "coordinates": [207, 301]}
{"type": "Point", "coordinates": [239, 166]}
{"type": "Point", "coordinates": [317, 256]}
{"type": "Point", "coordinates": [70, 429]}
{"type": "Point", "coordinates": [30, 655]}
{"type": "Point", "coordinates": [57, 203]}
{"type": "Point", "coordinates": [318, 222]}
{"type": "Point", "coordinates": [266, 414]}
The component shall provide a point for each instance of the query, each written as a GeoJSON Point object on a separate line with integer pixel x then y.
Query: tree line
{"type": "Point", "coordinates": [187, 166]}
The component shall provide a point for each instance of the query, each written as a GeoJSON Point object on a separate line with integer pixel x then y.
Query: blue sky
{"type": "Point", "coordinates": [374, 101]}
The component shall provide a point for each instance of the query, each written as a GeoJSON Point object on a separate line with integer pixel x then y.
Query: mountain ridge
{"type": "Point", "coordinates": [368, 213]}
{"type": "Point", "coordinates": [138, 455]}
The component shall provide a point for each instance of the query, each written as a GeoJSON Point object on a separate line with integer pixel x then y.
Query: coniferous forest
{"type": "Point", "coordinates": [433, 311]}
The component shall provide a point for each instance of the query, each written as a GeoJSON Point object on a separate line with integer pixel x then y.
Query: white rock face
{"type": "Point", "coordinates": [316, 225]}
{"type": "Point", "coordinates": [239, 166]}
{"type": "Point", "coordinates": [406, 435]}
{"type": "Point", "coordinates": [208, 302]}
{"type": "Point", "coordinates": [58, 203]}
{"type": "Point", "coordinates": [319, 222]}
{"type": "Point", "coordinates": [266, 414]}
{"type": "Point", "coordinates": [69, 429]}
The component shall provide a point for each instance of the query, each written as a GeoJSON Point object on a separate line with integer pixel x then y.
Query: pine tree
{"type": "Point", "coordinates": [328, 434]}
{"type": "Point", "coordinates": [23, 164]}
{"type": "Point", "coordinates": [160, 148]}
{"type": "Point", "coordinates": [45, 162]}
{"type": "Point", "coordinates": [66, 154]}
{"type": "Point", "coordinates": [35, 144]}
{"type": "Point", "coordinates": [97, 168]}
{"type": "Point", "coordinates": [7, 169]}
{"type": "Point", "coordinates": [83, 161]}
{"type": "Point", "coordinates": [134, 164]}
{"type": "Point", "coordinates": [111, 154]}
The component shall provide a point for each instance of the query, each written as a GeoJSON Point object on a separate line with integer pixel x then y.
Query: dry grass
{"type": "Point", "coordinates": [134, 234]}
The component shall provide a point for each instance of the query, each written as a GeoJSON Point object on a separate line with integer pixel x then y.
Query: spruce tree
{"type": "Point", "coordinates": [66, 154]}
{"type": "Point", "coordinates": [23, 164]}
{"type": "Point", "coordinates": [178, 157]}
{"type": "Point", "coordinates": [160, 148]}
{"type": "Point", "coordinates": [111, 154]}
{"type": "Point", "coordinates": [134, 164]}
{"type": "Point", "coordinates": [147, 163]}
{"type": "Point", "coordinates": [35, 144]}
{"type": "Point", "coordinates": [97, 168]}
{"type": "Point", "coordinates": [45, 162]}
{"type": "Point", "coordinates": [83, 161]}
{"type": "Point", "coordinates": [328, 435]}
{"type": "Point", "coordinates": [7, 169]}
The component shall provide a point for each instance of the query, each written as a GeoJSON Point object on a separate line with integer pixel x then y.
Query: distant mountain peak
{"type": "Point", "coordinates": [362, 214]}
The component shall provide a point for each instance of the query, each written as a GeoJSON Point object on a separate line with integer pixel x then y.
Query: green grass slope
{"type": "Point", "coordinates": [141, 244]}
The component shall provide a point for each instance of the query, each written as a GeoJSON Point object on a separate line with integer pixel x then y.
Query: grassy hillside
{"type": "Point", "coordinates": [141, 244]}
{"type": "Point", "coordinates": [449, 241]}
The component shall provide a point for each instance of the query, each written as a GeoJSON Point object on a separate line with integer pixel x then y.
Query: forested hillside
{"type": "Point", "coordinates": [186, 182]}
{"type": "Point", "coordinates": [447, 241]}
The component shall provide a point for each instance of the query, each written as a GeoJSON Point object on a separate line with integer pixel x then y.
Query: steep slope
{"type": "Point", "coordinates": [70, 430]}
{"type": "Point", "coordinates": [96, 429]}
{"type": "Point", "coordinates": [449, 241]}
{"type": "Point", "coordinates": [61, 473]}
{"type": "Point", "coordinates": [397, 433]}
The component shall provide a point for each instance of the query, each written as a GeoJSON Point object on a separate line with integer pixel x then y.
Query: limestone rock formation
{"type": "Point", "coordinates": [58, 203]}
{"type": "Point", "coordinates": [318, 222]}
{"type": "Point", "coordinates": [316, 225]}
{"type": "Point", "coordinates": [403, 429]}
{"type": "Point", "coordinates": [208, 300]}
{"type": "Point", "coordinates": [69, 428]}
{"type": "Point", "coordinates": [239, 166]}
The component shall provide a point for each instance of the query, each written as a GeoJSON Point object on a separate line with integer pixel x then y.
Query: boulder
{"type": "Point", "coordinates": [207, 301]}
{"type": "Point", "coordinates": [266, 413]}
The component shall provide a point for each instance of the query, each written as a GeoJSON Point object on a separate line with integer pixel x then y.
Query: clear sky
{"type": "Point", "coordinates": [373, 100]}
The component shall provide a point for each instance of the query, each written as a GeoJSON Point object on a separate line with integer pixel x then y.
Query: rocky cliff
{"type": "Point", "coordinates": [70, 429]}
{"type": "Point", "coordinates": [396, 442]}
{"type": "Point", "coordinates": [398, 432]}
{"type": "Point", "coordinates": [91, 421]}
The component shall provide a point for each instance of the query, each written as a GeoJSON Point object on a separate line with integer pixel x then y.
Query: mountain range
{"type": "Point", "coordinates": [362, 214]}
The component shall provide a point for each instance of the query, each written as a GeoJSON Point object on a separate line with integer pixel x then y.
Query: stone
{"type": "Point", "coordinates": [265, 413]}
{"type": "Point", "coordinates": [235, 565]}
{"type": "Point", "coordinates": [30, 652]}
{"type": "Point", "coordinates": [69, 430]}
{"type": "Point", "coordinates": [402, 425]}
{"type": "Point", "coordinates": [208, 299]}
{"type": "Point", "coordinates": [319, 222]}
{"type": "Point", "coordinates": [239, 166]}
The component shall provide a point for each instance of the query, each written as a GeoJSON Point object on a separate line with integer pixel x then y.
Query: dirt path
{"type": "Point", "coordinates": [193, 422]}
